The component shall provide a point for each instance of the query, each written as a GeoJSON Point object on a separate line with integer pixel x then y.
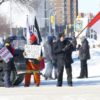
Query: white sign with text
{"type": "Point", "coordinates": [32, 51]}
{"type": "Point", "coordinates": [5, 54]}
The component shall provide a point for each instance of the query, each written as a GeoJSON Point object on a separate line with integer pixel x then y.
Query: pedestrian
{"type": "Point", "coordinates": [48, 57]}
{"type": "Point", "coordinates": [32, 66]}
{"type": "Point", "coordinates": [54, 56]}
{"type": "Point", "coordinates": [9, 67]}
{"type": "Point", "coordinates": [63, 50]}
{"type": "Point", "coordinates": [84, 55]}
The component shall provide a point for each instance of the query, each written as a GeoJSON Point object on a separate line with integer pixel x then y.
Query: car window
{"type": "Point", "coordinates": [19, 44]}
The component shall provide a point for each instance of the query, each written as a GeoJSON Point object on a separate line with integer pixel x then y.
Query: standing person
{"type": "Point", "coordinates": [48, 58]}
{"type": "Point", "coordinates": [54, 61]}
{"type": "Point", "coordinates": [9, 67]}
{"type": "Point", "coordinates": [63, 59]}
{"type": "Point", "coordinates": [84, 55]}
{"type": "Point", "coordinates": [33, 66]}
{"type": "Point", "coordinates": [69, 48]}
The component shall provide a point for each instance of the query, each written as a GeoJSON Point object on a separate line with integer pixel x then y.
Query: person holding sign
{"type": "Point", "coordinates": [32, 66]}
{"type": "Point", "coordinates": [9, 66]}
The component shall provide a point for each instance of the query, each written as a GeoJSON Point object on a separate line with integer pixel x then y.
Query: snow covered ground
{"type": "Point", "coordinates": [83, 89]}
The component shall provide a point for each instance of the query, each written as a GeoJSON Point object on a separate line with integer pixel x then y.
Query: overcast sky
{"type": "Point", "coordinates": [89, 6]}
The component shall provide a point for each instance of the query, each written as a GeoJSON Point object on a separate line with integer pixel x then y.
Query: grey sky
{"type": "Point", "coordinates": [89, 6]}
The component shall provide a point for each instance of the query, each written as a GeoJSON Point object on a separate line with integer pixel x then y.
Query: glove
{"type": "Point", "coordinates": [64, 49]}
{"type": "Point", "coordinates": [79, 46]}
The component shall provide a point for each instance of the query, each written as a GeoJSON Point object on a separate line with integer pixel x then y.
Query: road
{"type": "Point", "coordinates": [51, 93]}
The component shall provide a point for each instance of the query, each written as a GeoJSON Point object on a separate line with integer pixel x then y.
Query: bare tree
{"type": "Point", "coordinates": [31, 3]}
{"type": "Point", "coordinates": [1, 1]}
{"type": "Point", "coordinates": [28, 3]}
{"type": "Point", "coordinates": [4, 25]}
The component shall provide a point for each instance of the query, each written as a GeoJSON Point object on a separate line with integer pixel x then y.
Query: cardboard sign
{"type": "Point", "coordinates": [32, 51]}
{"type": "Point", "coordinates": [5, 54]}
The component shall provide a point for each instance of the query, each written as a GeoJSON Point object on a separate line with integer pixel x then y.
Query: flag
{"type": "Point", "coordinates": [27, 31]}
{"type": "Point", "coordinates": [36, 28]}
{"type": "Point", "coordinates": [33, 29]}
{"type": "Point", "coordinates": [94, 24]}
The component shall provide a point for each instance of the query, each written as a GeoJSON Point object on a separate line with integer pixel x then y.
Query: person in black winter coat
{"type": "Point", "coordinates": [84, 55]}
{"type": "Point", "coordinates": [9, 67]}
{"type": "Point", "coordinates": [63, 51]}
{"type": "Point", "coordinates": [69, 48]}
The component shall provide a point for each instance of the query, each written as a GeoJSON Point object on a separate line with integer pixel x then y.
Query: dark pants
{"type": "Point", "coordinates": [84, 69]}
{"type": "Point", "coordinates": [8, 68]}
{"type": "Point", "coordinates": [55, 69]}
{"type": "Point", "coordinates": [7, 81]}
{"type": "Point", "coordinates": [68, 72]}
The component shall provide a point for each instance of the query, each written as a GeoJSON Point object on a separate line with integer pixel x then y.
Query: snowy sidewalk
{"type": "Point", "coordinates": [51, 93]}
{"type": "Point", "coordinates": [83, 89]}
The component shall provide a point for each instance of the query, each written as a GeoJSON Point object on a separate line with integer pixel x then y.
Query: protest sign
{"type": "Point", "coordinates": [5, 54]}
{"type": "Point", "coordinates": [32, 51]}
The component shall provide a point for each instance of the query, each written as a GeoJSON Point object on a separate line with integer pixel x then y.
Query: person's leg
{"type": "Point", "coordinates": [82, 69]}
{"type": "Point", "coordinates": [7, 82]}
{"type": "Point", "coordinates": [37, 79]}
{"type": "Point", "coordinates": [60, 66]}
{"type": "Point", "coordinates": [69, 74]}
{"type": "Point", "coordinates": [85, 69]}
{"type": "Point", "coordinates": [36, 74]}
{"type": "Point", "coordinates": [48, 71]}
{"type": "Point", "coordinates": [28, 75]}
{"type": "Point", "coordinates": [55, 70]}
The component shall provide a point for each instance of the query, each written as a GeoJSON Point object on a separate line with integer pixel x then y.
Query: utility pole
{"type": "Point", "coordinates": [11, 18]}
{"type": "Point", "coordinates": [45, 8]}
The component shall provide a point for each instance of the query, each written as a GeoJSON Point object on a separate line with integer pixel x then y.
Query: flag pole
{"type": "Point", "coordinates": [81, 31]}
{"type": "Point", "coordinates": [93, 21]}
{"type": "Point", "coordinates": [27, 30]}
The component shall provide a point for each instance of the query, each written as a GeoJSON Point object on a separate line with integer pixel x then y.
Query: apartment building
{"type": "Point", "coordinates": [66, 12]}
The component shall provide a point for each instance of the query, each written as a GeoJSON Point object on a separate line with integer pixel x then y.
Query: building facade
{"type": "Point", "coordinates": [66, 11]}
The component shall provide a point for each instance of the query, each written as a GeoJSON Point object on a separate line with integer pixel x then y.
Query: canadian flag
{"type": "Point", "coordinates": [95, 23]}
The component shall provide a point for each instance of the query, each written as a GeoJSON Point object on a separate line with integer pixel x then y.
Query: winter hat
{"type": "Point", "coordinates": [7, 44]}
{"type": "Point", "coordinates": [33, 38]}
{"type": "Point", "coordinates": [50, 39]}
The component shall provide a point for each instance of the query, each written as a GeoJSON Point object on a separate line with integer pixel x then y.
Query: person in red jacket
{"type": "Point", "coordinates": [32, 67]}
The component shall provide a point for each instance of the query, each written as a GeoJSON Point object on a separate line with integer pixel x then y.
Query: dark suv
{"type": "Point", "coordinates": [17, 76]}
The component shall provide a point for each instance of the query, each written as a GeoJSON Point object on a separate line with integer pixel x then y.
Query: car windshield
{"type": "Point", "coordinates": [19, 44]}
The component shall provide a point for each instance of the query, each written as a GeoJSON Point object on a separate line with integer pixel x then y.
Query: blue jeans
{"type": "Point", "coordinates": [7, 82]}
